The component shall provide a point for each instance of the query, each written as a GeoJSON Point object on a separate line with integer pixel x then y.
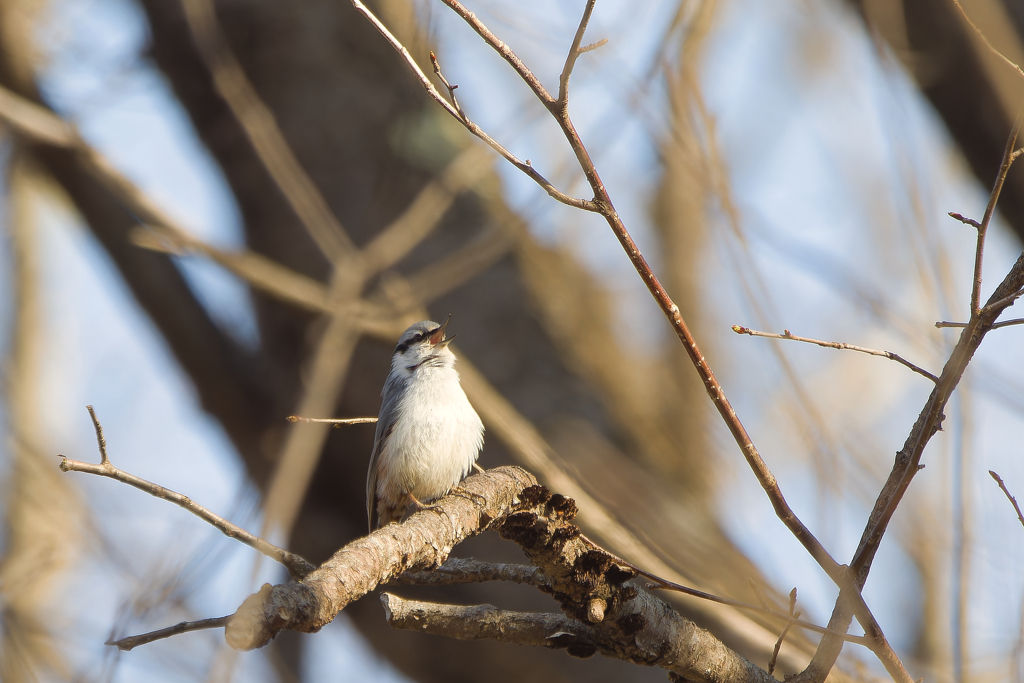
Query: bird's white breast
{"type": "Point", "coordinates": [437, 435]}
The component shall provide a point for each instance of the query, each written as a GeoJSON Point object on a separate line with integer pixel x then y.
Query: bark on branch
{"type": "Point", "coordinates": [422, 542]}
{"type": "Point", "coordinates": [603, 612]}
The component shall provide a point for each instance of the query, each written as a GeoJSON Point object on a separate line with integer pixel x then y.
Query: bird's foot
{"type": "Point", "coordinates": [463, 492]}
{"type": "Point", "coordinates": [416, 506]}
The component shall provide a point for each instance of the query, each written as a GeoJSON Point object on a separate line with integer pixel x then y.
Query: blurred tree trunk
{"type": "Point", "coordinates": [977, 95]}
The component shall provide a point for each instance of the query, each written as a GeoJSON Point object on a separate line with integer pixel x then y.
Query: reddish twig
{"type": "Point", "coordinates": [451, 88]}
{"type": "Point", "coordinates": [786, 334]}
{"type": "Point", "coordinates": [964, 219]}
{"type": "Point", "coordinates": [1004, 168]}
{"type": "Point", "coordinates": [525, 167]}
{"type": "Point", "coordinates": [1013, 501]}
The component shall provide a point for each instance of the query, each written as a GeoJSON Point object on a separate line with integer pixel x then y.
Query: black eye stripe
{"type": "Point", "coordinates": [403, 347]}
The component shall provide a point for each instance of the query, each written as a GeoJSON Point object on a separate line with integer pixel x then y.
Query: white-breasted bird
{"type": "Point", "coordinates": [428, 435]}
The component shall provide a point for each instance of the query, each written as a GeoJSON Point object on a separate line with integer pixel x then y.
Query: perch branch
{"type": "Point", "coordinates": [296, 565]}
{"type": "Point", "coordinates": [836, 345]}
{"type": "Point", "coordinates": [424, 540]}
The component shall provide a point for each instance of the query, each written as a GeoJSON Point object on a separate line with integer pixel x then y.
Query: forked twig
{"type": "Point", "coordinates": [786, 334]}
{"type": "Point", "coordinates": [297, 566]}
{"type": "Point", "coordinates": [525, 167]}
{"type": "Point", "coordinates": [451, 88]}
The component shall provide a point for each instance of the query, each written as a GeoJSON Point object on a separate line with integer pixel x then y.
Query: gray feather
{"type": "Point", "coordinates": [390, 397]}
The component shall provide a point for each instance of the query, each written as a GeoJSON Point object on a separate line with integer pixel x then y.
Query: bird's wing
{"type": "Point", "coordinates": [385, 425]}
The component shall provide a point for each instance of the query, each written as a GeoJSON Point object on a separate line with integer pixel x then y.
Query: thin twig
{"type": "Point", "coordinates": [793, 616]}
{"type": "Point", "coordinates": [836, 345]}
{"type": "Point", "coordinates": [995, 326]}
{"type": "Point", "coordinates": [100, 439]}
{"type": "Point", "coordinates": [337, 422]}
{"type": "Point", "coordinates": [964, 219]}
{"type": "Point", "coordinates": [663, 584]}
{"type": "Point", "coordinates": [1005, 301]}
{"type": "Point", "coordinates": [451, 88]}
{"type": "Point", "coordinates": [1013, 500]}
{"type": "Point", "coordinates": [758, 593]}
{"type": "Point", "coordinates": [525, 167]}
{"type": "Point", "coordinates": [1004, 168]}
{"type": "Point", "coordinates": [126, 644]}
{"type": "Point", "coordinates": [296, 565]}
{"type": "Point", "coordinates": [989, 45]}
{"type": "Point", "coordinates": [574, 53]}
{"type": "Point", "coordinates": [257, 120]}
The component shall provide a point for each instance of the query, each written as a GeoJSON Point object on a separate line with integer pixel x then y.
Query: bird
{"type": "Point", "coordinates": [428, 435]}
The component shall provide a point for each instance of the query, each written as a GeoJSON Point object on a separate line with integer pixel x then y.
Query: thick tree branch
{"type": "Point", "coordinates": [422, 541]}
{"type": "Point", "coordinates": [459, 570]}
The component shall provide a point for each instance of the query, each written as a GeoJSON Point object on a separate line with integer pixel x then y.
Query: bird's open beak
{"type": "Point", "coordinates": [438, 338]}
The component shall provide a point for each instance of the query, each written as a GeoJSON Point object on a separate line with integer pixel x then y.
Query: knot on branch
{"type": "Point", "coordinates": [586, 580]}
{"type": "Point", "coordinates": [269, 610]}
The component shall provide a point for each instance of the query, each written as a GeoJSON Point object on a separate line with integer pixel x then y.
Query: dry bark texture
{"type": "Point", "coordinates": [603, 612]}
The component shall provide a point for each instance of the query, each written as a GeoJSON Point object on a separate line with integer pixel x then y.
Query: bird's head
{"type": "Point", "coordinates": [423, 344]}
